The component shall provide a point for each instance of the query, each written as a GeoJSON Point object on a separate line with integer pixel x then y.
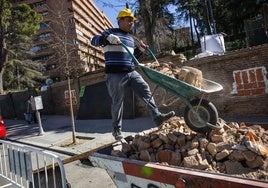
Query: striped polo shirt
{"type": "Point", "coordinates": [117, 59]}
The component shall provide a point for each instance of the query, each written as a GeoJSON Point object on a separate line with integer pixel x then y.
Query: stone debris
{"type": "Point", "coordinates": [236, 149]}
{"type": "Point", "coordinates": [187, 74]}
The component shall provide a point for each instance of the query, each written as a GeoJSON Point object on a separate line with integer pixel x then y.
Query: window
{"type": "Point", "coordinates": [79, 32]}
{"type": "Point", "coordinates": [71, 20]}
{"type": "Point", "coordinates": [44, 25]}
{"type": "Point", "coordinates": [42, 58]}
{"type": "Point", "coordinates": [75, 42]}
{"type": "Point", "coordinates": [44, 14]}
{"type": "Point", "coordinates": [35, 49]}
{"type": "Point", "coordinates": [40, 4]}
{"type": "Point", "coordinates": [45, 36]}
{"type": "Point", "coordinates": [89, 24]}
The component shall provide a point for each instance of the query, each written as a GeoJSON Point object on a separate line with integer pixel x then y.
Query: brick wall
{"type": "Point", "coordinates": [54, 99]}
{"type": "Point", "coordinates": [242, 73]}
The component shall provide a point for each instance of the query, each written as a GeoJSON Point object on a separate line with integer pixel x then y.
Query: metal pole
{"type": "Point", "coordinates": [41, 131]}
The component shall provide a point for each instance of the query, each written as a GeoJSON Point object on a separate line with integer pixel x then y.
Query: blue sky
{"type": "Point", "coordinates": [110, 8]}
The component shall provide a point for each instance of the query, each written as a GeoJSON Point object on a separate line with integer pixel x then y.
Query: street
{"type": "Point", "coordinates": [5, 183]}
{"type": "Point", "coordinates": [79, 175]}
{"type": "Point", "coordinates": [82, 175]}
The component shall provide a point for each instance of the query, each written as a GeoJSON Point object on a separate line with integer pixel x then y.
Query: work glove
{"type": "Point", "coordinates": [113, 39]}
{"type": "Point", "coordinates": [142, 46]}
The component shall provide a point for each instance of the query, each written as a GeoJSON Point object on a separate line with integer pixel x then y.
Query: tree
{"type": "Point", "coordinates": [21, 74]}
{"type": "Point", "coordinates": [154, 14]}
{"type": "Point", "coordinates": [64, 49]}
{"type": "Point", "coordinates": [230, 15]}
{"type": "Point", "coordinates": [154, 23]}
{"type": "Point", "coordinates": [219, 15]}
{"type": "Point", "coordinates": [17, 26]}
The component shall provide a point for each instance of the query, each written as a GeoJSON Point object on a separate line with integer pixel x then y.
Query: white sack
{"type": "Point", "coordinates": [213, 43]}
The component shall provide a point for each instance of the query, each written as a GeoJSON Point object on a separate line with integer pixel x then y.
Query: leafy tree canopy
{"type": "Point", "coordinates": [17, 27]}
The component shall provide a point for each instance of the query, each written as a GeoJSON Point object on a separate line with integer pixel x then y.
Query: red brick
{"type": "Point", "coordinates": [250, 85]}
{"type": "Point", "coordinates": [239, 86]}
{"type": "Point", "coordinates": [244, 92]}
{"type": "Point", "coordinates": [259, 75]}
{"type": "Point", "coordinates": [240, 92]}
{"type": "Point", "coordinates": [261, 84]}
{"type": "Point", "coordinates": [252, 76]}
{"type": "Point", "coordinates": [237, 76]}
{"type": "Point", "coordinates": [245, 76]}
{"type": "Point", "coordinates": [258, 91]}
{"type": "Point", "coordinates": [247, 92]}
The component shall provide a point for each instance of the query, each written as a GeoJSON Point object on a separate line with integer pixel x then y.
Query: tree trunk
{"type": "Point", "coordinates": [3, 62]}
{"type": "Point", "coordinates": [149, 24]}
{"type": "Point", "coordinates": [1, 82]}
{"type": "Point", "coordinates": [207, 20]}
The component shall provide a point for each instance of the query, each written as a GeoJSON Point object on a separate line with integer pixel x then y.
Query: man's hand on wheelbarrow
{"type": "Point", "coordinates": [113, 39]}
{"type": "Point", "coordinates": [142, 46]}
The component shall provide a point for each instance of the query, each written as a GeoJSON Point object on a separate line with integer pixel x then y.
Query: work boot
{"type": "Point", "coordinates": [163, 117]}
{"type": "Point", "coordinates": [117, 134]}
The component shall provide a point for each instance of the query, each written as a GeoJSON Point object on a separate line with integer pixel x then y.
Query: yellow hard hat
{"type": "Point", "coordinates": [126, 13]}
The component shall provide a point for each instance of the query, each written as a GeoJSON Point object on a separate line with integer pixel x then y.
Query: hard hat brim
{"type": "Point", "coordinates": [126, 13]}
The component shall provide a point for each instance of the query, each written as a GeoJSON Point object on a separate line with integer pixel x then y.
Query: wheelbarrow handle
{"type": "Point", "coordinates": [147, 49]}
{"type": "Point", "coordinates": [134, 58]}
{"type": "Point", "coordinates": [151, 54]}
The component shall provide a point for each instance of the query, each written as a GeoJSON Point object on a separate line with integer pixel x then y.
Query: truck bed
{"type": "Point", "coordinates": [128, 173]}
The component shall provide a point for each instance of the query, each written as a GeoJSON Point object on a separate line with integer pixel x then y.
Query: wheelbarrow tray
{"type": "Point", "coordinates": [178, 87]}
{"type": "Point", "coordinates": [201, 116]}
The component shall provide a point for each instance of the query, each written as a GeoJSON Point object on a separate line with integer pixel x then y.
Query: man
{"type": "Point", "coordinates": [120, 73]}
{"type": "Point", "coordinates": [31, 113]}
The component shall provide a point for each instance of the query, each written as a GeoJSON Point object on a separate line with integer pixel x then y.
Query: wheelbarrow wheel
{"type": "Point", "coordinates": [200, 114]}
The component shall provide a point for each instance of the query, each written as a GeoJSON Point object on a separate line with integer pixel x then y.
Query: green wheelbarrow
{"type": "Point", "coordinates": [200, 114]}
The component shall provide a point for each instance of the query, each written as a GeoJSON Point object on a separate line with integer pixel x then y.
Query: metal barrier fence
{"type": "Point", "coordinates": [26, 166]}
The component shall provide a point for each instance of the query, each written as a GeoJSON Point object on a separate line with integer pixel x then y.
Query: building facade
{"type": "Point", "coordinates": [62, 43]}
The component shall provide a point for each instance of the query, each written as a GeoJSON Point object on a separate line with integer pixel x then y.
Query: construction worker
{"type": "Point", "coordinates": [120, 73]}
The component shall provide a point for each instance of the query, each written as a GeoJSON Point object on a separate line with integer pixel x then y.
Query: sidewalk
{"type": "Point", "coordinates": [58, 129]}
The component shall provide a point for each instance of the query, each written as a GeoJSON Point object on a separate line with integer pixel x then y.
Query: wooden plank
{"type": "Point", "coordinates": [86, 154]}
{"type": "Point", "coordinates": [75, 157]}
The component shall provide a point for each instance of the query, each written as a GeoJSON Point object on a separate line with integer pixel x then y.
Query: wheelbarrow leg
{"type": "Point", "coordinates": [155, 88]}
{"type": "Point", "coordinates": [200, 101]}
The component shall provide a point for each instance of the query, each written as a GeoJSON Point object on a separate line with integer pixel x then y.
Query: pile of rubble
{"type": "Point", "coordinates": [187, 74]}
{"type": "Point", "coordinates": [236, 149]}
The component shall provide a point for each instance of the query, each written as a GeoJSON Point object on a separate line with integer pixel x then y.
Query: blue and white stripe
{"type": "Point", "coordinates": [116, 55]}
